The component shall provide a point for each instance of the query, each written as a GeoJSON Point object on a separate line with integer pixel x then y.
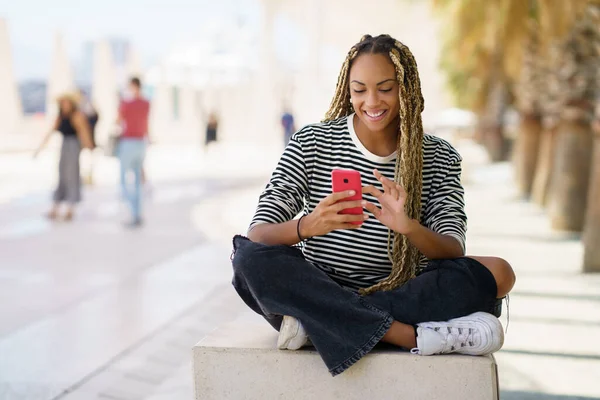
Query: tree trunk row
{"type": "Point", "coordinates": [591, 233]}
{"type": "Point", "coordinates": [559, 168]}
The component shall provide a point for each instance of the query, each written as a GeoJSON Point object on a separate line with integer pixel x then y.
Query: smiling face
{"type": "Point", "coordinates": [374, 92]}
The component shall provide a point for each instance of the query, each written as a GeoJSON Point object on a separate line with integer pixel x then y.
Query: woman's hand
{"type": "Point", "coordinates": [326, 218]}
{"type": "Point", "coordinates": [392, 200]}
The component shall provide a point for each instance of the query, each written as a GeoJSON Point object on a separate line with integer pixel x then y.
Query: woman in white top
{"type": "Point", "coordinates": [395, 274]}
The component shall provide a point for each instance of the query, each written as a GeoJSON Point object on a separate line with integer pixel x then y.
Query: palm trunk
{"type": "Point", "coordinates": [571, 175]}
{"type": "Point", "coordinates": [544, 169]}
{"type": "Point", "coordinates": [526, 156]}
{"type": "Point", "coordinates": [495, 142]}
{"type": "Point", "coordinates": [591, 235]}
{"type": "Point", "coordinates": [492, 124]}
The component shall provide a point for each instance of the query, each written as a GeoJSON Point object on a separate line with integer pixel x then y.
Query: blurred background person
{"type": "Point", "coordinates": [287, 122]}
{"type": "Point", "coordinates": [75, 130]}
{"type": "Point", "coordinates": [211, 130]}
{"type": "Point", "coordinates": [133, 117]}
{"type": "Point", "coordinates": [91, 114]}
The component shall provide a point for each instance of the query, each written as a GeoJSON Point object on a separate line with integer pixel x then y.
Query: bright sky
{"type": "Point", "coordinates": [152, 26]}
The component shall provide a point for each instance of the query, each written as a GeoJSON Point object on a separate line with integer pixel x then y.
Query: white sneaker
{"type": "Point", "coordinates": [292, 335]}
{"type": "Point", "coordinates": [476, 334]}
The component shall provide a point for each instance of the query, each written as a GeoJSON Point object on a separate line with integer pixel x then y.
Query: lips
{"type": "Point", "coordinates": [375, 115]}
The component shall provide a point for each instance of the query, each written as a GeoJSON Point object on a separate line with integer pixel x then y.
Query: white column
{"type": "Point", "coordinates": [134, 64]}
{"type": "Point", "coordinates": [188, 111]}
{"type": "Point", "coordinates": [61, 77]}
{"type": "Point", "coordinates": [315, 34]}
{"type": "Point", "coordinates": [161, 108]}
{"type": "Point", "coordinates": [105, 92]}
{"type": "Point", "coordinates": [10, 104]}
{"type": "Point", "coordinates": [311, 97]}
{"type": "Point", "coordinates": [267, 110]}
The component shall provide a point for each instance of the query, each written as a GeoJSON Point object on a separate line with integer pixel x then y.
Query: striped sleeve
{"type": "Point", "coordinates": [446, 211]}
{"type": "Point", "coordinates": [285, 194]}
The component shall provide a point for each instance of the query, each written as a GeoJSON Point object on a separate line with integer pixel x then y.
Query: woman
{"type": "Point", "coordinates": [416, 289]}
{"type": "Point", "coordinates": [73, 126]}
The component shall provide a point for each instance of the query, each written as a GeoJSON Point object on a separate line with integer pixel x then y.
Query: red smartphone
{"type": "Point", "coordinates": [348, 179]}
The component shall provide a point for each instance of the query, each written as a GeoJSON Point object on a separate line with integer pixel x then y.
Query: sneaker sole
{"type": "Point", "coordinates": [287, 332]}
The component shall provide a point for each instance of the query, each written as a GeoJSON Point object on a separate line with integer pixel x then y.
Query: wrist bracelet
{"type": "Point", "coordinates": [298, 228]}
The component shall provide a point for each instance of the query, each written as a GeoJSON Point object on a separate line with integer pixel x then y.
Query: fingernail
{"type": "Point", "coordinates": [364, 203]}
{"type": "Point", "coordinates": [365, 216]}
{"type": "Point", "coordinates": [352, 193]}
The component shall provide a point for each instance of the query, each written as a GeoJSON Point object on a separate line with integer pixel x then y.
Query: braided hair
{"type": "Point", "coordinates": [409, 161]}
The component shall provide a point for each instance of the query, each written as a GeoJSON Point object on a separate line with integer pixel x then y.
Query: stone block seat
{"type": "Point", "coordinates": [240, 361]}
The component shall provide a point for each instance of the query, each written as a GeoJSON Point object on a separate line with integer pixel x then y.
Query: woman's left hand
{"type": "Point", "coordinates": [392, 200]}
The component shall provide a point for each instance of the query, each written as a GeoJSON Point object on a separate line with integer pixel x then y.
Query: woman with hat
{"type": "Point", "coordinates": [75, 130]}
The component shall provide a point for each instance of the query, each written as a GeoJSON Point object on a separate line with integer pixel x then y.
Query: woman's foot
{"type": "Point", "coordinates": [476, 334]}
{"type": "Point", "coordinates": [69, 215]}
{"type": "Point", "coordinates": [52, 214]}
{"type": "Point", "coordinates": [292, 334]}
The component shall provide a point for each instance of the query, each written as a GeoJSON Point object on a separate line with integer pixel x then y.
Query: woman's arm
{"type": "Point", "coordinates": [282, 200]}
{"type": "Point", "coordinates": [284, 197]}
{"type": "Point", "coordinates": [82, 127]}
{"type": "Point", "coordinates": [323, 219]}
{"type": "Point", "coordinates": [433, 245]}
{"type": "Point", "coordinates": [284, 233]}
{"type": "Point", "coordinates": [47, 137]}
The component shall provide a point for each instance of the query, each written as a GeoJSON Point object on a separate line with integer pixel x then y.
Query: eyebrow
{"type": "Point", "coordinates": [380, 83]}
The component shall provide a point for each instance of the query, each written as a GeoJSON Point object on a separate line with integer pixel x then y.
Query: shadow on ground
{"type": "Point", "coordinates": [524, 395]}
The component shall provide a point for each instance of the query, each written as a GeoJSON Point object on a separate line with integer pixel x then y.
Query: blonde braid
{"type": "Point", "coordinates": [409, 160]}
{"type": "Point", "coordinates": [340, 105]}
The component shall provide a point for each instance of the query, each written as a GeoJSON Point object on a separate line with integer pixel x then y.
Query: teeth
{"type": "Point", "coordinates": [374, 115]}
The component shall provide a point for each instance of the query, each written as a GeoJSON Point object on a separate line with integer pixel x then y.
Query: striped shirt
{"type": "Point", "coordinates": [358, 258]}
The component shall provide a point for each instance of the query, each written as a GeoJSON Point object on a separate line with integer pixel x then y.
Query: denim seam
{"type": "Point", "coordinates": [369, 344]}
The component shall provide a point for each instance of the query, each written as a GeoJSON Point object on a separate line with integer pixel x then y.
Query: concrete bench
{"type": "Point", "coordinates": [240, 361]}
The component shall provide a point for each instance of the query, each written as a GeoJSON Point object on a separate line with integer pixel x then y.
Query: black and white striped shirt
{"type": "Point", "coordinates": [358, 258]}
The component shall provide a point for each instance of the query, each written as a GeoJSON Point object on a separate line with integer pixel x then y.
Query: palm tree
{"type": "Point", "coordinates": [528, 101]}
{"type": "Point", "coordinates": [472, 62]}
{"type": "Point", "coordinates": [578, 80]}
{"type": "Point", "coordinates": [567, 59]}
{"type": "Point", "coordinates": [483, 57]}
{"type": "Point", "coordinates": [550, 105]}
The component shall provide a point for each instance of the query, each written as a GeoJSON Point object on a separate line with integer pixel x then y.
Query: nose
{"type": "Point", "coordinates": [372, 99]}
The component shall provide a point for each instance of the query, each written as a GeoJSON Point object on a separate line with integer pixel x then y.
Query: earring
{"type": "Point", "coordinates": [350, 101]}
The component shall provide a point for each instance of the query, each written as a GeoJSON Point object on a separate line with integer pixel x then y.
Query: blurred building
{"type": "Point", "coordinates": [247, 74]}
{"type": "Point", "coordinates": [10, 106]}
{"type": "Point", "coordinates": [120, 49]}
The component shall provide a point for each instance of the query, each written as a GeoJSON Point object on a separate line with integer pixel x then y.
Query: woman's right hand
{"type": "Point", "coordinates": [326, 218]}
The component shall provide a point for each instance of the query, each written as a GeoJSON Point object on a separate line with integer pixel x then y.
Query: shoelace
{"type": "Point", "coordinates": [455, 336]}
{"type": "Point", "coordinates": [458, 338]}
{"type": "Point", "coordinates": [507, 312]}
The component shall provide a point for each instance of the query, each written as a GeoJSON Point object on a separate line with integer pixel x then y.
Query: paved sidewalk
{"type": "Point", "coordinates": [551, 350]}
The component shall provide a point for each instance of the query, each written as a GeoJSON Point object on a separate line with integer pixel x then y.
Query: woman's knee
{"type": "Point", "coordinates": [501, 270]}
{"type": "Point", "coordinates": [251, 259]}
{"type": "Point", "coordinates": [245, 255]}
